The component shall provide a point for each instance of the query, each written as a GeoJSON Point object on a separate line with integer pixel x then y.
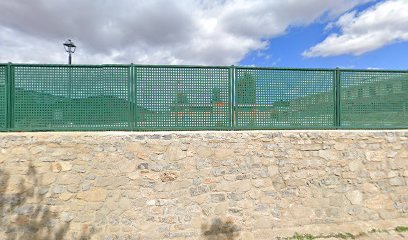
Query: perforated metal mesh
{"type": "Point", "coordinates": [182, 98]}
{"type": "Point", "coordinates": [129, 97]}
{"type": "Point", "coordinates": [52, 98]}
{"type": "Point", "coordinates": [374, 99]}
{"type": "Point", "coordinates": [271, 98]}
{"type": "Point", "coordinates": [3, 99]}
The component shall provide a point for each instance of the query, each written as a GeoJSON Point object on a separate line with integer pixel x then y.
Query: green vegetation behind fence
{"type": "Point", "coordinates": [141, 97]}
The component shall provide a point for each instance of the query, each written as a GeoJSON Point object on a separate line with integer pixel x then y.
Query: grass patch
{"type": "Point", "coordinates": [297, 236]}
{"type": "Point", "coordinates": [401, 229]}
{"type": "Point", "coordinates": [343, 236]}
{"type": "Point", "coordinates": [346, 235]}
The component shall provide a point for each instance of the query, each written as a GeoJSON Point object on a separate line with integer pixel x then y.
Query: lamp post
{"type": "Point", "coordinates": [70, 49]}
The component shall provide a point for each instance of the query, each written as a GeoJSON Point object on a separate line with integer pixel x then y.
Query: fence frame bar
{"type": "Point", "coordinates": [131, 98]}
{"type": "Point", "coordinates": [9, 97]}
{"type": "Point", "coordinates": [231, 97]}
{"type": "Point", "coordinates": [337, 102]}
{"type": "Point", "coordinates": [235, 100]}
{"type": "Point", "coordinates": [134, 89]}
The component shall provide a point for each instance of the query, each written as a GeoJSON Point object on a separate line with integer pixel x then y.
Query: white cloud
{"type": "Point", "coordinates": [152, 31]}
{"type": "Point", "coordinates": [376, 27]}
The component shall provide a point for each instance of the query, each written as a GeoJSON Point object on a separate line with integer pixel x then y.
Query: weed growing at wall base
{"type": "Point", "coordinates": [401, 229]}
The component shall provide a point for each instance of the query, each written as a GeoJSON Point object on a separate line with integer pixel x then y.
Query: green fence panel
{"type": "Point", "coordinates": [145, 97]}
{"type": "Point", "coordinates": [3, 97]}
{"type": "Point", "coordinates": [284, 98]}
{"type": "Point", "coordinates": [71, 98]}
{"type": "Point", "coordinates": [374, 99]}
{"type": "Point", "coordinates": [182, 98]}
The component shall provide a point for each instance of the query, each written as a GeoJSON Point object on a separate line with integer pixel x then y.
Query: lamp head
{"type": "Point", "coordinates": [69, 46]}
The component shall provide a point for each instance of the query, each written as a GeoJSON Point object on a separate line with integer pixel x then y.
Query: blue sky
{"type": "Point", "coordinates": [286, 50]}
{"type": "Point", "coordinates": [356, 34]}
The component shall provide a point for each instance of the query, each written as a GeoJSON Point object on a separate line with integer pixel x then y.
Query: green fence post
{"type": "Point", "coordinates": [130, 96]}
{"type": "Point", "coordinates": [232, 96]}
{"type": "Point", "coordinates": [9, 96]}
{"type": "Point", "coordinates": [134, 98]}
{"type": "Point", "coordinates": [337, 99]}
{"type": "Point", "coordinates": [234, 99]}
{"type": "Point", "coordinates": [7, 92]}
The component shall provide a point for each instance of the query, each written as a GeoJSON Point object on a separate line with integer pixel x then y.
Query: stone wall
{"type": "Point", "coordinates": [195, 185]}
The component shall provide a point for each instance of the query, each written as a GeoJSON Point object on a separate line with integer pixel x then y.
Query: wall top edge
{"type": "Point", "coordinates": [126, 133]}
{"type": "Point", "coordinates": [199, 66]}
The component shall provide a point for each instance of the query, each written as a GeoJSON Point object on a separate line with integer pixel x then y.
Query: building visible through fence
{"type": "Point", "coordinates": [140, 97]}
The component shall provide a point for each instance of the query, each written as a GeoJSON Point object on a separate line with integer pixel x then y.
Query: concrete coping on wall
{"type": "Point", "coordinates": [127, 133]}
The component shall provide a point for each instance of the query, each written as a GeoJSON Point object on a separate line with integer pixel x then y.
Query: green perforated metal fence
{"type": "Point", "coordinates": [182, 98]}
{"type": "Point", "coordinates": [64, 97]}
{"type": "Point", "coordinates": [284, 98]}
{"type": "Point", "coordinates": [145, 97]}
{"type": "Point", "coordinates": [3, 97]}
{"type": "Point", "coordinates": [373, 99]}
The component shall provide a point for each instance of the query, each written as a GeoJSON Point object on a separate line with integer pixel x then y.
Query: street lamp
{"type": "Point", "coordinates": [70, 49]}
